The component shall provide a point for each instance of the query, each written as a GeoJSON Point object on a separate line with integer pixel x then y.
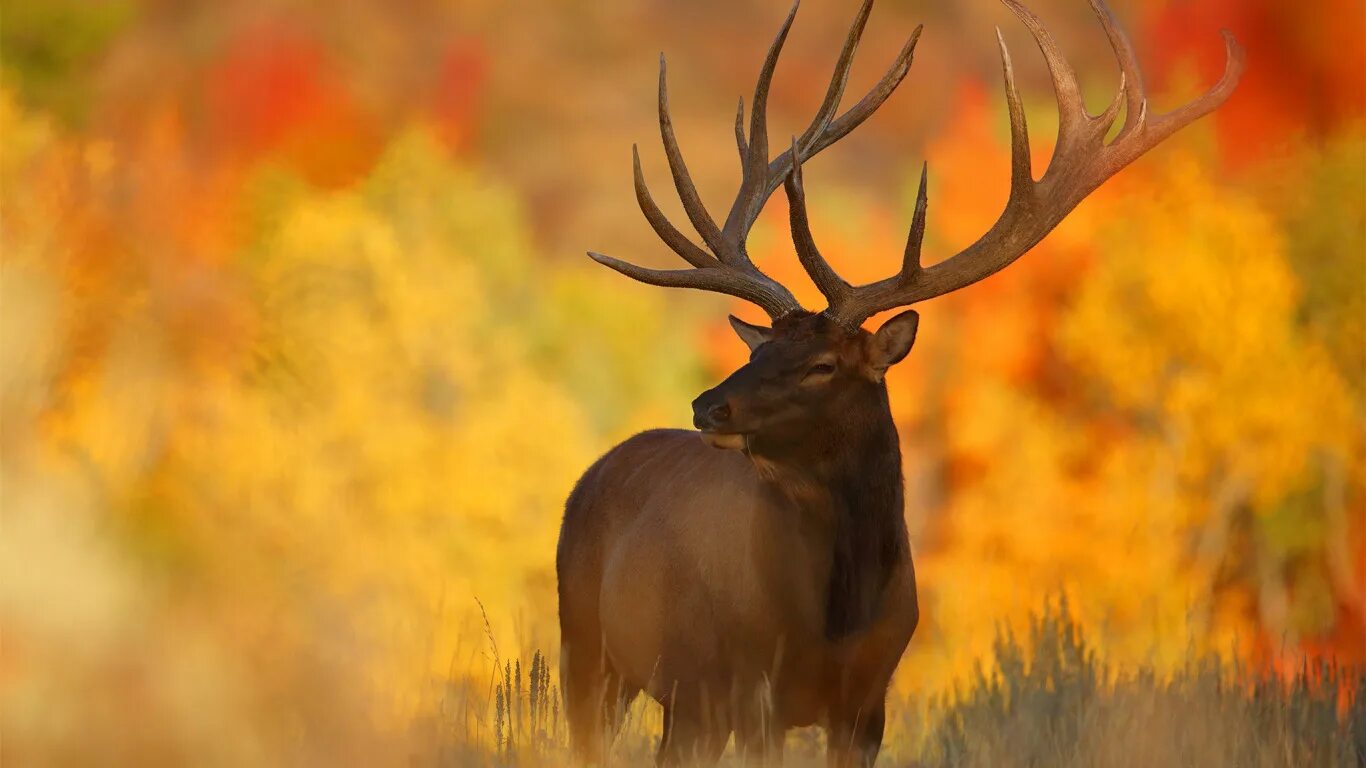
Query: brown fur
{"type": "Point", "coordinates": [752, 591]}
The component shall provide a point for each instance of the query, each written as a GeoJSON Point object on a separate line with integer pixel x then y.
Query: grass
{"type": "Point", "coordinates": [1057, 704]}
{"type": "Point", "coordinates": [1046, 699]}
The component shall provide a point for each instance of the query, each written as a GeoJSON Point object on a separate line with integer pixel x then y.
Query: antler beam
{"type": "Point", "coordinates": [724, 265]}
{"type": "Point", "coordinates": [1082, 161]}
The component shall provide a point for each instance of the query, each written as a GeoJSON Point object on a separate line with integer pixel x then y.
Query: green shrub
{"type": "Point", "coordinates": [1050, 702]}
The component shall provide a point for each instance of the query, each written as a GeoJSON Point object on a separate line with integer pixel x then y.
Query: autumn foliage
{"type": "Point", "coordinates": [299, 355]}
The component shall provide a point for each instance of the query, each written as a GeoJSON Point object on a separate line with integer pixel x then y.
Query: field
{"type": "Point", "coordinates": [1044, 699]}
{"type": "Point", "coordinates": [300, 356]}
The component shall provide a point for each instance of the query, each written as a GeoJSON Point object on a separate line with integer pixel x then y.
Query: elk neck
{"type": "Point", "coordinates": [848, 479]}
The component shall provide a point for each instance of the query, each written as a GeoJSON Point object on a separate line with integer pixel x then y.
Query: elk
{"type": "Point", "coordinates": [755, 574]}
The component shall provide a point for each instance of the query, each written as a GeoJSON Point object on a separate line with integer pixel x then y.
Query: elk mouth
{"type": "Point", "coordinates": [735, 441]}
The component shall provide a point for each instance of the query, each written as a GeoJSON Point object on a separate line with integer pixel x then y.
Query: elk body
{"type": "Point", "coordinates": [755, 574]}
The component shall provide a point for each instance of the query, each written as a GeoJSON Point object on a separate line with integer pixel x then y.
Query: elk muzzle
{"type": "Point", "coordinates": [711, 414]}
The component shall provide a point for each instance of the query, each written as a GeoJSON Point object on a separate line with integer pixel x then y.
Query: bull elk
{"type": "Point", "coordinates": [755, 575]}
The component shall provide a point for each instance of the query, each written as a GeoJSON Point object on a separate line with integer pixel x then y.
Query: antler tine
{"type": "Point", "coordinates": [727, 268]}
{"type": "Point", "coordinates": [835, 289]}
{"type": "Point", "coordinates": [851, 305]}
{"type": "Point", "coordinates": [754, 287]}
{"type": "Point", "coordinates": [661, 224]}
{"type": "Point", "coordinates": [1081, 162]}
{"type": "Point", "coordinates": [756, 158]}
{"type": "Point", "coordinates": [875, 97]}
{"type": "Point", "coordinates": [831, 285]}
{"type": "Point", "coordinates": [1072, 115]}
{"type": "Point", "coordinates": [1131, 77]}
{"type": "Point", "coordinates": [687, 191]}
{"type": "Point", "coordinates": [825, 129]}
{"type": "Point", "coordinates": [740, 142]}
{"type": "Point", "coordinates": [1159, 127]}
{"type": "Point", "coordinates": [761, 177]}
{"type": "Point", "coordinates": [910, 260]}
{"type": "Point", "coordinates": [816, 138]}
{"type": "Point", "coordinates": [839, 78]}
{"type": "Point", "coordinates": [1021, 169]}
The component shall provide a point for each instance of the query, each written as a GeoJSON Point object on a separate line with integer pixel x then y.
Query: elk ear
{"type": "Point", "coordinates": [892, 341]}
{"type": "Point", "coordinates": [752, 335]}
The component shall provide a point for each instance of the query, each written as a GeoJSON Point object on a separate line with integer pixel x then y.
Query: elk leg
{"type": "Point", "coordinates": [758, 735]}
{"type": "Point", "coordinates": [855, 738]}
{"type": "Point", "coordinates": [690, 738]}
{"type": "Point", "coordinates": [595, 701]}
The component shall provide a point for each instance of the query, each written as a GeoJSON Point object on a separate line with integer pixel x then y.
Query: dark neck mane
{"type": "Point", "coordinates": [858, 464]}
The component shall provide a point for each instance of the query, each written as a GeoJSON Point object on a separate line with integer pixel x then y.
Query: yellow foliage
{"type": "Point", "coordinates": [311, 515]}
{"type": "Point", "coordinates": [1191, 393]}
{"type": "Point", "coordinates": [1190, 317]}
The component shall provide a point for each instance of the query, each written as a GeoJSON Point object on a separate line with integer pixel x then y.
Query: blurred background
{"type": "Point", "coordinates": [300, 353]}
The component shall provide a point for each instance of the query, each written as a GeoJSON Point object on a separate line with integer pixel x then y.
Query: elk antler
{"type": "Point", "coordinates": [1082, 161]}
{"type": "Point", "coordinates": [725, 267]}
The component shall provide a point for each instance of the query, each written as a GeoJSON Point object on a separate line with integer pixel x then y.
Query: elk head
{"type": "Point", "coordinates": [806, 376]}
{"type": "Point", "coordinates": [811, 372]}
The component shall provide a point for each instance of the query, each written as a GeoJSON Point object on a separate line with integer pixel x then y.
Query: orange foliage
{"type": "Point", "coordinates": [300, 354]}
{"type": "Point", "coordinates": [1307, 73]}
{"type": "Point", "coordinates": [456, 103]}
{"type": "Point", "coordinates": [1022, 479]}
{"type": "Point", "coordinates": [271, 93]}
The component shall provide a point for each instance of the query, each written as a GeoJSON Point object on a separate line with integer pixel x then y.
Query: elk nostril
{"type": "Point", "coordinates": [719, 414]}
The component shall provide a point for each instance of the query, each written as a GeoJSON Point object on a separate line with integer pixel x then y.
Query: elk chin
{"type": "Point", "coordinates": [734, 441]}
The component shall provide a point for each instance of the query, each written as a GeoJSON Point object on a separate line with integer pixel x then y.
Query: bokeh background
{"type": "Point", "coordinates": [300, 353]}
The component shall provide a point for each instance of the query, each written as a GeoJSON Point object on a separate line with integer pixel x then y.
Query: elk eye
{"type": "Point", "coordinates": [820, 369]}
